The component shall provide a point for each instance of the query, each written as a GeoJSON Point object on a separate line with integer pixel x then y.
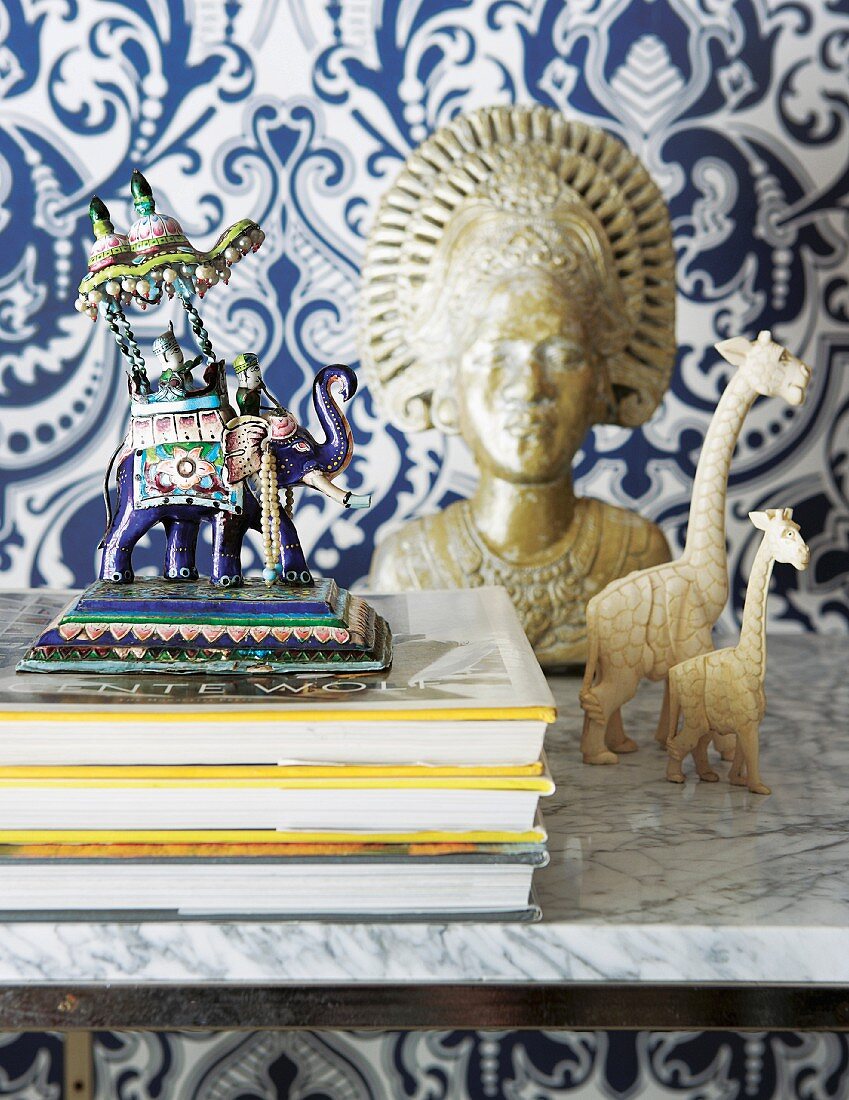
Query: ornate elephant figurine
{"type": "Point", "coordinates": [286, 454]}
{"type": "Point", "coordinates": [294, 456]}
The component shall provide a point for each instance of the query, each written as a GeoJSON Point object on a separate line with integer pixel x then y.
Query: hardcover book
{"type": "Point", "coordinates": [406, 881]}
{"type": "Point", "coordinates": [464, 689]}
{"type": "Point", "coordinates": [284, 799]}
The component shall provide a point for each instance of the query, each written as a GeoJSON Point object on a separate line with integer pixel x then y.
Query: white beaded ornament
{"type": "Point", "coordinates": [270, 516]}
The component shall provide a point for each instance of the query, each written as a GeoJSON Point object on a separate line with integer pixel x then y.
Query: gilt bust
{"type": "Point", "coordinates": [518, 289]}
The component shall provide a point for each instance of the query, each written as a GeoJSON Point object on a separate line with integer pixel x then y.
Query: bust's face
{"type": "Point", "coordinates": [526, 386]}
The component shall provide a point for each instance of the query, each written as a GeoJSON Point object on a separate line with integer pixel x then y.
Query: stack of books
{"type": "Point", "coordinates": [409, 793]}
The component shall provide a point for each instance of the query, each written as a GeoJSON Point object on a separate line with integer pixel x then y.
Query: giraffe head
{"type": "Point", "coordinates": [769, 368]}
{"type": "Point", "coordinates": [782, 537]}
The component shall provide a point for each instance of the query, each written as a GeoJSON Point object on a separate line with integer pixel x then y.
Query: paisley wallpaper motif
{"type": "Point", "coordinates": [30, 1066]}
{"type": "Point", "coordinates": [467, 1065]}
{"type": "Point", "coordinates": [454, 1065]}
{"type": "Point", "coordinates": [438, 1065]}
{"type": "Point", "coordinates": [298, 114]}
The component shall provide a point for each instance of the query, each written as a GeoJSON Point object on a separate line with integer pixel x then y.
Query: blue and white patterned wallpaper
{"type": "Point", "coordinates": [298, 113]}
{"type": "Point", "coordinates": [468, 1065]}
{"type": "Point", "coordinates": [439, 1065]}
{"type": "Point", "coordinates": [473, 1066]}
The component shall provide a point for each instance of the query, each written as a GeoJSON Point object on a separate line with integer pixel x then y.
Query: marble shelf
{"type": "Point", "coordinates": [649, 882]}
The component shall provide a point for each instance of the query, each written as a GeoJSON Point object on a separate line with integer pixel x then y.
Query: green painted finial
{"type": "Point", "coordinates": [98, 211]}
{"type": "Point", "coordinates": [143, 199]}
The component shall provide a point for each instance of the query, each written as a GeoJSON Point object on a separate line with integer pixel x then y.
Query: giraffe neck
{"type": "Point", "coordinates": [705, 545]}
{"type": "Point", "coordinates": [752, 645]}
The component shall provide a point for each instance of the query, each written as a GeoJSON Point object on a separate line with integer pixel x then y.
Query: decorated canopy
{"type": "Point", "coordinates": [155, 259]}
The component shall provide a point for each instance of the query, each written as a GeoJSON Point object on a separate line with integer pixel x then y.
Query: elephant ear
{"type": "Point", "coordinates": [243, 439]}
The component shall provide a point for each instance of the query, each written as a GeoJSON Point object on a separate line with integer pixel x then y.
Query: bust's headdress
{"type": "Point", "coordinates": [518, 189]}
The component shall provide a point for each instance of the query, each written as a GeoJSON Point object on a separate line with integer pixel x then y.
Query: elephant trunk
{"type": "Point", "coordinates": [335, 452]}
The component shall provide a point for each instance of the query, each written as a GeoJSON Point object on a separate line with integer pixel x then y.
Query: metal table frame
{"type": "Point", "coordinates": [474, 1006]}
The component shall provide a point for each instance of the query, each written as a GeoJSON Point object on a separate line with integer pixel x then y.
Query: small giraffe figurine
{"type": "Point", "coordinates": [641, 625]}
{"type": "Point", "coordinates": [722, 692]}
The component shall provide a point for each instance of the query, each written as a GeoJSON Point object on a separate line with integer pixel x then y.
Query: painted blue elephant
{"type": "Point", "coordinates": [182, 466]}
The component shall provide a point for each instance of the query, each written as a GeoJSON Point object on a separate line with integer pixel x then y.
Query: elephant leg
{"type": "Point", "coordinates": [295, 569]}
{"type": "Point", "coordinates": [181, 542]}
{"type": "Point", "coordinates": [127, 528]}
{"type": "Point", "coordinates": [228, 533]}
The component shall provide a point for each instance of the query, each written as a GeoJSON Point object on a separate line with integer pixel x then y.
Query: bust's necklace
{"type": "Point", "coordinates": [550, 598]}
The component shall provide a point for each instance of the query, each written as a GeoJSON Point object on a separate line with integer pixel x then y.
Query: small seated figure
{"type": "Point", "coordinates": [175, 382]}
{"type": "Point", "coordinates": [251, 385]}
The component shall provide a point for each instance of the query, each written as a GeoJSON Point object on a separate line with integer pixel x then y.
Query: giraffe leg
{"type": "Point", "coordinates": [593, 744]}
{"type": "Point", "coordinates": [726, 745]}
{"type": "Point", "coordinates": [662, 732]}
{"type": "Point", "coordinates": [747, 737]}
{"type": "Point", "coordinates": [601, 703]}
{"type": "Point", "coordinates": [737, 771]}
{"type": "Point", "coordinates": [682, 743]}
{"type": "Point", "coordinates": [700, 756]}
{"type": "Point", "coordinates": [616, 739]}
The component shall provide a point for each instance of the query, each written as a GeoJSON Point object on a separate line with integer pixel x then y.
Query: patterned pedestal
{"type": "Point", "coordinates": [158, 626]}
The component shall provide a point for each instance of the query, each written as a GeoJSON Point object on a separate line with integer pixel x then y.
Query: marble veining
{"type": "Point", "coordinates": [648, 881]}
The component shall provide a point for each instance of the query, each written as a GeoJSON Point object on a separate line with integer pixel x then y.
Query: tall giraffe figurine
{"type": "Point", "coordinates": [640, 626]}
{"type": "Point", "coordinates": [722, 692]}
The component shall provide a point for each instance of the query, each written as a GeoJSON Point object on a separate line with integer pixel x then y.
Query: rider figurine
{"type": "Point", "coordinates": [175, 382]}
{"type": "Point", "coordinates": [251, 385]}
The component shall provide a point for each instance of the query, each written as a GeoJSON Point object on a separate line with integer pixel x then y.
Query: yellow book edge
{"type": "Point", "coordinates": [494, 783]}
{"type": "Point", "coordinates": [258, 836]}
{"type": "Point", "coordinates": [179, 714]}
{"type": "Point", "coordinates": [263, 771]}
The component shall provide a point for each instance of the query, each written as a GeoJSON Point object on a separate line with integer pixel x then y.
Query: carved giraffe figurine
{"type": "Point", "coordinates": [641, 625]}
{"type": "Point", "coordinates": [722, 692]}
